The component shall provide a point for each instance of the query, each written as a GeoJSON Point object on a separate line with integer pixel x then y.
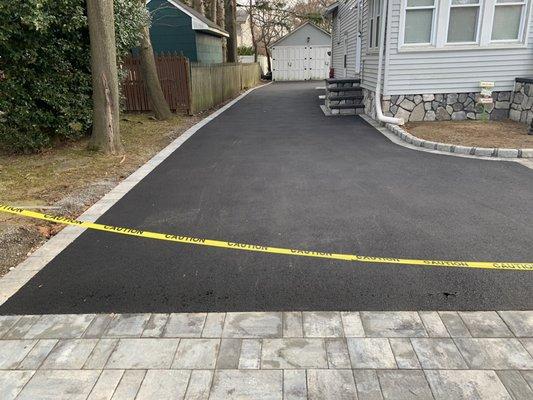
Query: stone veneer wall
{"type": "Point", "coordinates": [522, 101]}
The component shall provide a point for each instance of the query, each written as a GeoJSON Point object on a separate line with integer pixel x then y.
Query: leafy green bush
{"type": "Point", "coordinates": [45, 82]}
{"type": "Point", "coordinates": [245, 50]}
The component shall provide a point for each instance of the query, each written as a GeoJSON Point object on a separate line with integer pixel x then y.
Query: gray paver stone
{"type": "Point", "coordinates": [106, 385]}
{"type": "Point", "coordinates": [485, 324]}
{"type": "Point", "coordinates": [100, 355]}
{"type": "Point", "coordinates": [322, 324]}
{"type": "Point", "coordinates": [253, 325]}
{"type": "Point", "coordinates": [247, 384]}
{"type": "Point", "coordinates": [369, 353]}
{"type": "Point", "coordinates": [290, 353]}
{"type": "Point", "coordinates": [492, 353]}
{"type": "Point", "coordinates": [199, 385]}
{"type": "Point", "coordinates": [433, 324]}
{"type": "Point", "coordinates": [59, 326]}
{"type": "Point", "coordinates": [155, 325]}
{"type": "Point", "coordinates": [196, 354]}
{"type": "Point", "coordinates": [12, 352]}
{"type": "Point", "coordinates": [69, 354]}
{"type": "Point", "coordinates": [332, 384]}
{"type": "Point", "coordinates": [37, 355]}
{"type": "Point", "coordinates": [127, 325]}
{"type": "Point", "coordinates": [338, 356]}
{"type": "Point", "coordinates": [404, 353]}
{"type": "Point", "coordinates": [393, 324]}
{"type": "Point", "coordinates": [129, 385]}
{"type": "Point", "coordinates": [12, 382]}
{"type": "Point", "coordinates": [74, 385]}
{"type": "Point", "coordinates": [229, 354]}
{"type": "Point", "coordinates": [438, 354]}
{"type": "Point", "coordinates": [516, 385]}
{"type": "Point", "coordinates": [520, 322]}
{"type": "Point", "coordinates": [98, 326]}
{"type": "Point", "coordinates": [214, 323]}
{"type": "Point", "coordinates": [7, 322]}
{"type": "Point", "coordinates": [185, 325]}
{"type": "Point", "coordinates": [367, 383]}
{"type": "Point", "coordinates": [353, 326]}
{"type": "Point", "coordinates": [143, 354]}
{"type": "Point", "coordinates": [294, 384]}
{"type": "Point", "coordinates": [292, 324]}
{"type": "Point", "coordinates": [21, 327]}
{"type": "Point", "coordinates": [163, 385]}
{"type": "Point", "coordinates": [250, 354]}
{"type": "Point", "coordinates": [404, 385]}
{"type": "Point", "coordinates": [454, 324]}
{"type": "Point", "coordinates": [466, 385]}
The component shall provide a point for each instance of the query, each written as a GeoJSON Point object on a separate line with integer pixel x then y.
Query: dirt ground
{"type": "Point", "coordinates": [505, 134]}
{"type": "Point", "coordinates": [68, 179]}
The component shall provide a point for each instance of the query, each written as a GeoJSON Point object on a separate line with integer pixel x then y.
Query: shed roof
{"type": "Point", "coordinates": [199, 22]}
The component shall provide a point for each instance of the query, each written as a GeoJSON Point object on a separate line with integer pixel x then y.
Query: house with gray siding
{"type": "Point", "coordinates": [441, 59]}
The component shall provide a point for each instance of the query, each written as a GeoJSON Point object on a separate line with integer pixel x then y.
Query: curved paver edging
{"type": "Point", "coordinates": [457, 149]}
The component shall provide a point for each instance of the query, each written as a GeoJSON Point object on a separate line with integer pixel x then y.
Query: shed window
{"type": "Point", "coordinates": [419, 16]}
{"type": "Point", "coordinates": [508, 19]}
{"type": "Point", "coordinates": [374, 17]}
{"type": "Point", "coordinates": [463, 22]}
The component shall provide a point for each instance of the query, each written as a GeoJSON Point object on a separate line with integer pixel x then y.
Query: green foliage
{"type": "Point", "coordinates": [45, 81]}
{"type": "Point", "coordinates": [245, 50]}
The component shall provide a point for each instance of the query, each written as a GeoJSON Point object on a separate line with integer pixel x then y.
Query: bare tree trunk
{"type": "Point", "coordinates": [198, 5]}
{"type": "Point", "coordinates": [531, 128]}
{"type": "Point", "coordinates": [269, 66]}
{"type": "Point", "coordinates": [212, 15]}
{"type": "Point", "coordinates": [151, 80]}
{"type": "Point", "coordinates": [230, 8]}
{"type": "Point", "coordinates": [106, 113]}
{"type": "Point", "coordinates": [221, 22]}
{"type": "Point", "coordinates": [251, 16]}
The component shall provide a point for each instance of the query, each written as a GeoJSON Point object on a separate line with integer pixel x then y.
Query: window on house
{"type": "Point", "coordinates": [508, 19]}
{"type": "Point", "coordinates": [419, 17]}
{"type": "Point", "coordinates": [463, 21]}
{"type": "Point", "coordinates": [374, 16]}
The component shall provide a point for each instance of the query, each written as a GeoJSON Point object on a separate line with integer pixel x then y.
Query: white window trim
{"type": "Point", "coordinates": [376, 26]}
{"type": "Point", "coordinates": [485, 22]}
{"type": "Point", "coordinates": [435, 9]}
{"type": "Point", "coordinates": [524, 18]}
{"type": "Point", "coordinates": [480, 14]}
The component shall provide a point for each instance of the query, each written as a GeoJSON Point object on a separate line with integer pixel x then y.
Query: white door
{"type": "Point", "coordinates": [299, 63]}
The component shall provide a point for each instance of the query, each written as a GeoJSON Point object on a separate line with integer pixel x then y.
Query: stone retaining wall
{"type": "Point", "coordinates": [517, 105]}
{"type": "Point", "coordinates": [522, 101]}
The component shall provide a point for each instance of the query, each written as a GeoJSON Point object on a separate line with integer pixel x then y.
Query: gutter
{"type": "Point", "coordinates": [377, 97]}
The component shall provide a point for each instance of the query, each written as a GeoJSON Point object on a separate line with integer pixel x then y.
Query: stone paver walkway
{"type": "Point", "coordinates": [268, 355]}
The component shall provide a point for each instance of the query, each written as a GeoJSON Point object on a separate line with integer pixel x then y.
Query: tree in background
{"type": "Point", "coordinates": [106, 112]}
{"type": "Point", "coordinates": [45, 78]}
{"type": "Point", "coordinates": [309, 11]}
{"type": "Point", "coordinates": [230, 10]}
{"type": "Point", "coordinates": [157, 99]}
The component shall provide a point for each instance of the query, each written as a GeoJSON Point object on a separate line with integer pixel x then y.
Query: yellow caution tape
{"type": "Point", "coordinates": [516, 266]}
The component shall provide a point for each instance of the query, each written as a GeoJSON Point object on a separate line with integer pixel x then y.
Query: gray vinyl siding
{"type": "Point", "coordinates": [369, 58]}
{"type": "Point", "coordinates": [347, 13]}
{"type": "Point", "coordinates": [451, 71]}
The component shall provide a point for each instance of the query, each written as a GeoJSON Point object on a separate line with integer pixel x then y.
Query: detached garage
{"type": "Point", "coordinates": [301, 55]}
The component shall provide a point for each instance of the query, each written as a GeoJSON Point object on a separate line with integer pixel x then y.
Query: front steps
{"type": "Point", "coordinates": [343, 97]}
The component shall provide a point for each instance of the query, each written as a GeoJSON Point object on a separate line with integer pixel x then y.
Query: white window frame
{"type": "Point", "coordinates": [374, 14]}
{"type": "Point", "coordinates": [403, 18]}
{"type": "Point", "coordinates": [524, 17]}
{"type": "Point", "coordinates": [479, 6]}
{"type": "Point", "coordinates": [484, 29]}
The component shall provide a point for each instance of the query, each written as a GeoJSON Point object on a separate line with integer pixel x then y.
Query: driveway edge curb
{"type": "Point", "coordinates": [484, 152]}
{"type": "Point", "coordinates": [13, 281]}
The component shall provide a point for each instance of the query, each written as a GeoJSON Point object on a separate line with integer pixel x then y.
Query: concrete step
{"type": "Point", "coordinates": [344, 89]}
{"type": "Point", "coordinates": [343, 80]}
{"type": "Point", "coordinates": [345, 106]}
{"type": "Point", "coordinates": [339, 97]}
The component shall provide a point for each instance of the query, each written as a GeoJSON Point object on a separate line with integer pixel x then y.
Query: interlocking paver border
{"type": "Point", "coordinates": [381, 355]}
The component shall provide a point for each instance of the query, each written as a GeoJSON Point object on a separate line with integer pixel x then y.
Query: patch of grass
{"type": "Point", "coordinates": [504, 134]}
{"type": "Point", "coordinates": [44, 178]}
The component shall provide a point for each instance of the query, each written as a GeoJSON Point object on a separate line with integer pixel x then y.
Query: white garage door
{"type": "Point", "coordinates": [300, 63]}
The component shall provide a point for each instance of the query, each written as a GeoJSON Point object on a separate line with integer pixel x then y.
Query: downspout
{"type": "Point", "coordinates": [377, 97]}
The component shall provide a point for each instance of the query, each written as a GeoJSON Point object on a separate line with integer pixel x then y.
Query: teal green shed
{"type": "Point", "coordinates": [178, 28]}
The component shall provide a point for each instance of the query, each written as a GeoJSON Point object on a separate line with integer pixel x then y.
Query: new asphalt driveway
{"type": "Point", "coordinates": [274, 170]}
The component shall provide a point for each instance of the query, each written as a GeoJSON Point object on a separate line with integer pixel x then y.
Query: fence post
{"type": "Point", "coordinates": [188, 77]}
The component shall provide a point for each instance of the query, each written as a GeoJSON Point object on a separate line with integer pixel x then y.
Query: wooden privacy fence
{"type": "Point", "coordinates": [188, 87]}
{"type": "Point", "coordinates": [173, 72]}
{"type": "Point", "coordinates": [212, 84]}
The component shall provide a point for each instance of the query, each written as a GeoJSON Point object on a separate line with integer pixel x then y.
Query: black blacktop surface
{"type": "Point", "coordinates": [274, 170]}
